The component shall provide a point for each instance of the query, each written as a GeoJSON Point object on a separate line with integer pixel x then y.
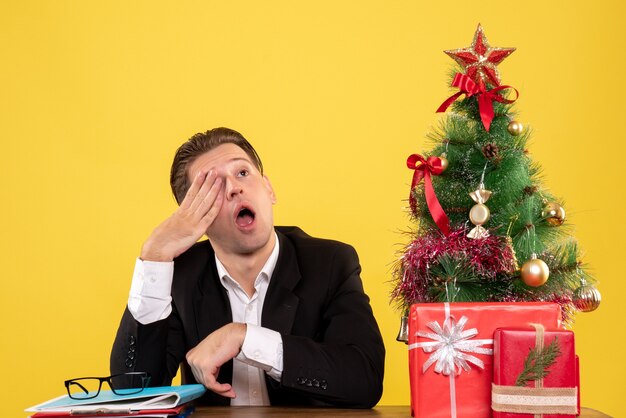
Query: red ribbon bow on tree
{"type": "Point", "coordinates": [485, 97]}
{"type": "Point", "coordinates": [423, 169]}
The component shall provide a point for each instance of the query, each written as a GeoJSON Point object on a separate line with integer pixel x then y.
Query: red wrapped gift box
{"type": "Point", "coordinates": [459, 336]}
{"type": "Point", "coordinates": [556, 396]}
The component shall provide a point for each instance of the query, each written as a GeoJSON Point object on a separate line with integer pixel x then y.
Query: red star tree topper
{"type": "Point", "coordinates": [480, 60]}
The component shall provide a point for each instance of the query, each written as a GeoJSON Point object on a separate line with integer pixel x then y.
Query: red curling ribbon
{"type": "Point", "coordinates": [485, 97]}
{"type": "Point", "coordinates": [423, 168]}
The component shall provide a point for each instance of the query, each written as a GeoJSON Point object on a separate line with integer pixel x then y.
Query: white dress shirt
{"type": "Point", "coordinates": [262, 351]}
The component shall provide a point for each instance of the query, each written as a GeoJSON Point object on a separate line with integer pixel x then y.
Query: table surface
{"type": "Point", "coordinates": [283, 412]}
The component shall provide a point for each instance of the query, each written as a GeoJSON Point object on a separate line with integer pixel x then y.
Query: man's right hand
{"type": "Point", "coordinates": [191, 220]}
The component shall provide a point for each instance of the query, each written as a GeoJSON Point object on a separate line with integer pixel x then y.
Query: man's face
{"type": "Point", "coordinates": [245, 222]}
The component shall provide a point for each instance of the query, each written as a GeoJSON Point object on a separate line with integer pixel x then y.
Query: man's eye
{"type": "Point", "coordinates": [243, 173]}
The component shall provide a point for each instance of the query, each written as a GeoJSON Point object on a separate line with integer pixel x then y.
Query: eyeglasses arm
{"type": "Point", "coordinates": [73, 382]}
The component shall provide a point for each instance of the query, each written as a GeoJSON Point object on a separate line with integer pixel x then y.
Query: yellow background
{"type": "Point", "coordinates": [95, 96]}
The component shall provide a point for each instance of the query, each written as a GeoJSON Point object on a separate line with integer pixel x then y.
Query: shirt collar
{"type": "Point", "coordinates": [265, 273]}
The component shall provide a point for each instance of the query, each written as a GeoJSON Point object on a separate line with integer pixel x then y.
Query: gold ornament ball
{"type": "Point", "coordinates": [553, 213]}
{"type": "Point", "coordinates": [535, 272]}
{"type": "Point", "coordinates": [586, 298]}
{"type": "Point", "coordinates": [479, 214]}
{"type": "Point", "coordinates": [444, 162]}
{"type": "Point", "coordinates": [515, 128]}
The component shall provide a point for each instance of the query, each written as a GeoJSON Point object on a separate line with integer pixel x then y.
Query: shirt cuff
{"type": "Point", "coordinates": [263, 348]}
{"type": "Point", "coordinates": [150, 297]}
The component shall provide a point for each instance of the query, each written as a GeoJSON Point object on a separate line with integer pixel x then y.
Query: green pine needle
{"type": "Point", "coordinates": [538, 362]}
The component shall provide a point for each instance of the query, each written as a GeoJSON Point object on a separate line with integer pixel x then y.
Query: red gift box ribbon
{"type": "Point", "coordinates": [423, 168]}
{"type": "Point", "coordinates": [485, 97]}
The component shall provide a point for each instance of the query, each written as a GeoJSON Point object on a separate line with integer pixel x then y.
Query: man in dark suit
{"type": "Point", "coordinates": [258, 314]}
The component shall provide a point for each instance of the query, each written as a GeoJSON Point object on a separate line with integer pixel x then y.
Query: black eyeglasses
{"type": "Point", "coordinates": [121, 384]}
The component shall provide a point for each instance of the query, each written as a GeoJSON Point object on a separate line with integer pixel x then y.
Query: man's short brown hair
{"type": "Point", "coordinates": [199, 144]}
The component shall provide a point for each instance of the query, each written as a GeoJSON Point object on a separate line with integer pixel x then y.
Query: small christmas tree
{"type": "Point", "coordinates": [485, 228]}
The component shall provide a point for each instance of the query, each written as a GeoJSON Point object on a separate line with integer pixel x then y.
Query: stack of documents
{"type": "Point", "coordinates": [155, 402]}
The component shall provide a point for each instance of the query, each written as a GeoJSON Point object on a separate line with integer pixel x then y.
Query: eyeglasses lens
{"type": "Point", "coordinates": [83, 388]}
{"type": "Point", "coordinates": [127, 384]}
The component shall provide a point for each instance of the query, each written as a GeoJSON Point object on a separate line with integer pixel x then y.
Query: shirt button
{"type": "Point", "coordinates": [250, 307]}
{"type": "Point", "coordinates": [257, 354]}
{"type": "Point", "coordinates": [152, 279]}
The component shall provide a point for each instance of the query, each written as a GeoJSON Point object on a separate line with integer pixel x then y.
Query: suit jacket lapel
{"type": "Point", "coordinates": [212, 311]}
{"type": "Point", "coordinates": [280, 306]}
{"type": "Point", "coordinates": [211, 306]}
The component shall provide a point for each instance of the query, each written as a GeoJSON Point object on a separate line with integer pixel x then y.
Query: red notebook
{"type": "Point", "coordinates": [179, 411]}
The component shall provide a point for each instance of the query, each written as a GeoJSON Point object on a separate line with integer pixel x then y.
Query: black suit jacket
{"type": "Point", "coordinates": [333, 352]}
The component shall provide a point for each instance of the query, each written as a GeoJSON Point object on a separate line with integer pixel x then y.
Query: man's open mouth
{"type": "Point", "coordinates": [245, 217]}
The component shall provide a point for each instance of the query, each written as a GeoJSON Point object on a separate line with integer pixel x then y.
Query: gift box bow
{"type": "Point", "coordinates": [450, 345]}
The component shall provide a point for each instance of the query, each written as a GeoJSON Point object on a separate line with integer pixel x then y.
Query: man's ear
{"type": "Point", "coordinates": [269, 187]}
